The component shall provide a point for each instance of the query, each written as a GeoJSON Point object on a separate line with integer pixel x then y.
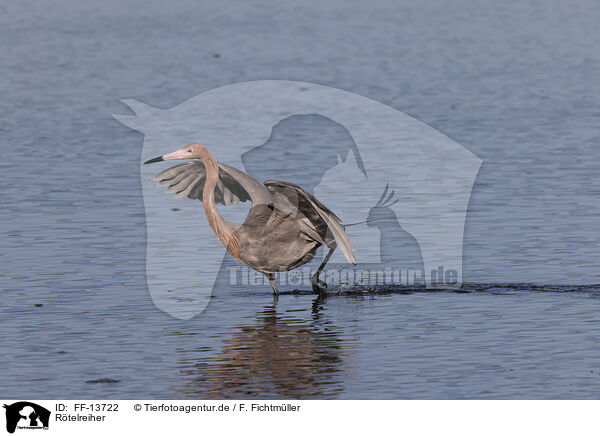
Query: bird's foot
{"type": "Point", "coordinates": [319, 286]}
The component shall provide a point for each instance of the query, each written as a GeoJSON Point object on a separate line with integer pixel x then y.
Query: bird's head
{"type": "Point", "coordinates": [190, 151]}
{"type": "Point", "coordinates": [382, 211]}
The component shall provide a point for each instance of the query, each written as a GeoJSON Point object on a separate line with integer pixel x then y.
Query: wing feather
{"type": "Point", "coordinates": [308, 205]}
{"type": "Point", "coordinates": [187, 180]}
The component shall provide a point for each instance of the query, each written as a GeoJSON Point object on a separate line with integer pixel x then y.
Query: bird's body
{"type": "Point", "coordinates": [267, 229]}
{"type": "Point", "coordinates": [284, 228]}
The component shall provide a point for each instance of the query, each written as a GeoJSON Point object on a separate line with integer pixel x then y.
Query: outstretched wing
{"type": "Point", "coordinates": [319, 215]}
{"type": "Point", "coordinates": [187, 180]}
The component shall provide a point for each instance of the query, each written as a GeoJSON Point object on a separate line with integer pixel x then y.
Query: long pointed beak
{"type": "Point", "coordinates": [156, 159]}
{"type": "Point", "coordinates": [179, 154]}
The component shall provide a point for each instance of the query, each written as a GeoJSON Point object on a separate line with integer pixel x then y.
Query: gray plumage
{"type": "Point", "coordinates": [284, 228]}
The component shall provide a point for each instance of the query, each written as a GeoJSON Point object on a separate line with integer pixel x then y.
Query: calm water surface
{"type": "Point", "coordinates": [518, 84]}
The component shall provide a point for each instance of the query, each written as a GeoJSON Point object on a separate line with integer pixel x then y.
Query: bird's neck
{"type": "Point", "coordinates": [217, 223]}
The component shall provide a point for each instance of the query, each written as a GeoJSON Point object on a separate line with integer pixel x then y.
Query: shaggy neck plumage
{"type": "Point", "coordinates": [215, 220]}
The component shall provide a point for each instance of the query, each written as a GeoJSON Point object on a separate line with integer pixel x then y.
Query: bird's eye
{"type": "Point", "coordinates": [190, 150]}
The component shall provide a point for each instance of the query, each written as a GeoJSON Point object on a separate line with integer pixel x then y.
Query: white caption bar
{"type": "Point", "coordinates": [291, 417]}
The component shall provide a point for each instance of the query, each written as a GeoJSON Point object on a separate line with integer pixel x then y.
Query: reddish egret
{"type": "Point", "coordinates": [285, 225]}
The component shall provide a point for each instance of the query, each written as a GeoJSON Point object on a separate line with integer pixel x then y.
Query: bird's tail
{"type": "Point", "coordinates": [341, 238]}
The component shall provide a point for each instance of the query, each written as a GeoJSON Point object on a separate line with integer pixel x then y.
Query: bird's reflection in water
{"type": "Point", "coordinates": [281, 356]}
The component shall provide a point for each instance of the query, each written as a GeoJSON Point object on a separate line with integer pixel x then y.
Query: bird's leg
{"type": "Point", "coordinates": [271, 277]}
{"type": "Point", "coordinates": [315, 278]}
